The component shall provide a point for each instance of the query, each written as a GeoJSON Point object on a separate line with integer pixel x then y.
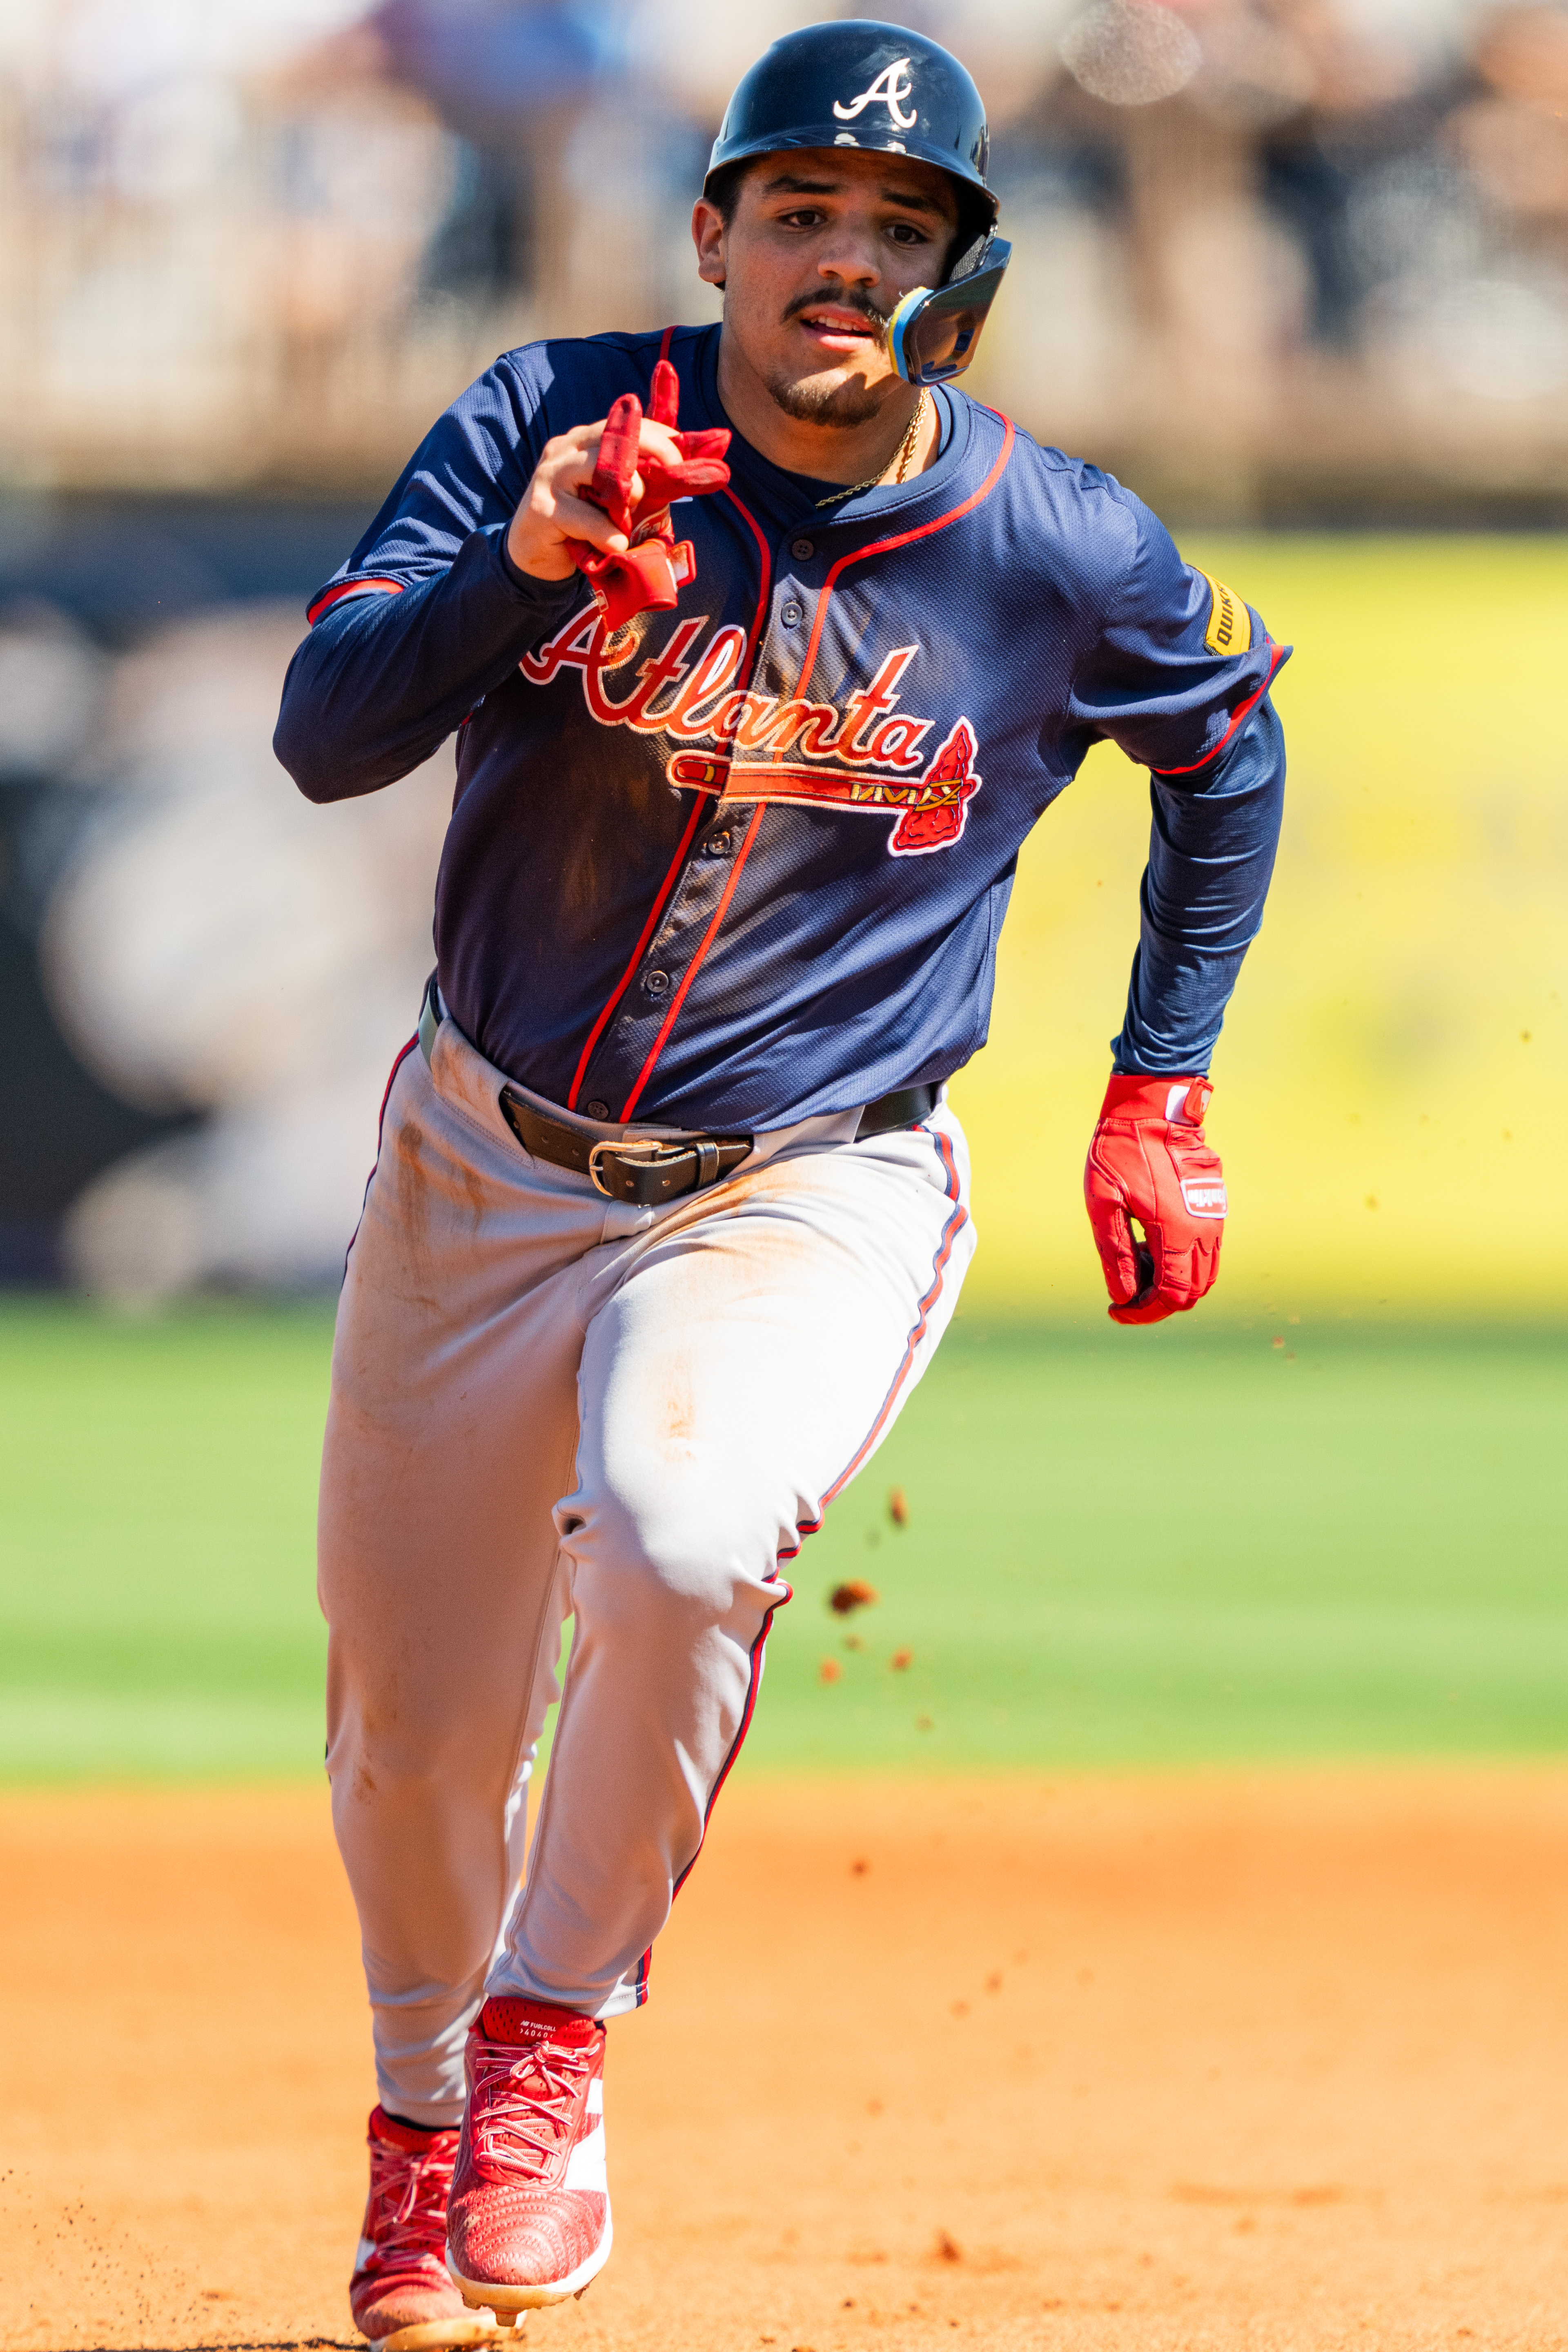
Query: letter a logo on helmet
{"type": "Point", "coordinates": [905, 93]}
{"type": "Point", "coordinates": [891, 89]}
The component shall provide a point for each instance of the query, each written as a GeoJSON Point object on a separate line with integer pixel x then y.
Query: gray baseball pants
{"type": "Point", "coordinates": [548, 1404]}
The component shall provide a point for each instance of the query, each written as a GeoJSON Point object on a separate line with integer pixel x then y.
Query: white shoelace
{"type": "Point", "coordinates": [523, 2105]}
{"type": "Point", "coordinates": [422, 2209]}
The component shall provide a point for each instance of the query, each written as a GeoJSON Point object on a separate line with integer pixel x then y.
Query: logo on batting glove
{"type": "Point", "coordinates": [1151, 1172]}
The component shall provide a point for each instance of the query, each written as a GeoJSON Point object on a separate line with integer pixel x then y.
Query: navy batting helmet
{"type": "Point", "coordinates": [859, 83]}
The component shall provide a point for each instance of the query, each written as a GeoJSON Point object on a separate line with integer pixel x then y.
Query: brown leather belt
{"type": "Point", "coordinates": [647, 1170]}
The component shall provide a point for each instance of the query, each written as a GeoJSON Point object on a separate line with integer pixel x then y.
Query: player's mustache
{"type": "Point", "coordinates": [847, 302]}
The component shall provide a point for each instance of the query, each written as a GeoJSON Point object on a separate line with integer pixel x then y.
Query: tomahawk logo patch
{"type": "Point", "coordinates": [949, 784]}
{"type": "Point", "coordinates": [891, 89]}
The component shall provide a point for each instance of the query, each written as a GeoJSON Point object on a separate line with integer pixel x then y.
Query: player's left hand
{"type": "Point", "coordinates": [1149, 1161]}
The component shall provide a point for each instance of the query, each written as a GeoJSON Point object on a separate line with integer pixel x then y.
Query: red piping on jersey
{"type": "Point", "coordinates": [766, 561]}
{"type": "Point", "coordinates": [1244, 713]}
{"type": "Point", "coordinates": [678, 999]}
{"type": "Point", "coordinates": [743, 678]}
{"type": "Point", "coordinates": [351, 588]}
{"type": "Point", "coordinates": [656, 909]}
{"type": "Point", "coordinates": [900, 539]}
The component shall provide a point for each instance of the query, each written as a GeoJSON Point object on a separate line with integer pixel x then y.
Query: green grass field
{"type": "Point", "coordinates": [1179, 1544]}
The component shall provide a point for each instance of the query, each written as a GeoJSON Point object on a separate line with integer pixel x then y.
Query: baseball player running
{"type": "Point", "coordinates": [765, 648]}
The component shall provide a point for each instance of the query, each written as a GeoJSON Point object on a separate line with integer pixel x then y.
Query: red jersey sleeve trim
{"type": "Point", "coordinates": [374, 586]}
{"type": "Point", "coordinates": [1243, 714]}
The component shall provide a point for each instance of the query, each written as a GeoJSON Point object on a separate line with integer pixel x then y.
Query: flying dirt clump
{"type": "Point", "coordinates": [845, 1598]}
{"type": "Point", "coordinates": [898, 1508]}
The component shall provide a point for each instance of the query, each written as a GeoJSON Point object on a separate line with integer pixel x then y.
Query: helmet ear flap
{"type": "Point", "coordinates": [934, 333]}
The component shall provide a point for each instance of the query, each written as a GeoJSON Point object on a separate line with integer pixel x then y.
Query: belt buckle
{"type": "Point", "coordinates": [643, 1152]}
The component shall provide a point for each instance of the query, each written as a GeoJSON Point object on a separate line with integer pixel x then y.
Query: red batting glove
{"type": "Point", "coordinates": [701, 469]}
{"type": "Point", "coordinates": [1148, 1159]}
{"type": "Point", "coordinates": [642, 580]}
{"type": "Point", "coordinates": [664, 397]}
{"type": "Point", "coordinates": [617, 462]}
{"type": "Point", "coordinates": [650, 574]}
{"type": "Point", "coordinates": [636, 580]}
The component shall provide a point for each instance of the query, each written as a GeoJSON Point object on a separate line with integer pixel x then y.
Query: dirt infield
{"type": "Point", "coordinates": [1250, 2061]}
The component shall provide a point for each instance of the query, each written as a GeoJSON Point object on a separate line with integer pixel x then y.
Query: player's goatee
{"type": "Point", "coordinates": [810, 401]}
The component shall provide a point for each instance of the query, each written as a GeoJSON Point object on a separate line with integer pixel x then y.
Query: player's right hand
{"type": "Point", "coordinates": [600, 487]}
{"type": "Point", "coordinates": [1149, 1161]}
{"type": "Point", "coordinates": [552, 512]}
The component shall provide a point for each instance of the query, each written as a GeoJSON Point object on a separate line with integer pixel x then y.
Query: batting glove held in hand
{"type": "Point", "coordinates": [1149, 1161]}
{"type": "Point", "coordinates": [650, 574]}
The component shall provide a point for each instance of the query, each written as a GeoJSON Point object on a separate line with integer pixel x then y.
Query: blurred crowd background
{"type": "Point", "coordinates": [1262, 245]}
{"type": "Point", "coordinates": [1282, 263]}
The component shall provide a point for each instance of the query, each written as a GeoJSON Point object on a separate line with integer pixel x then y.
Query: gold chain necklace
{"type": "Point", "coordinates": [901, 460]}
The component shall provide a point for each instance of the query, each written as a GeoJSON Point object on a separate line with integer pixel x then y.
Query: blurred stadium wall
{"type": "Point", "coordinates": [1287, 265]}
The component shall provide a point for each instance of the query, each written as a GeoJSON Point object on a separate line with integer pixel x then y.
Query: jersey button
{"type": "Point", "coordinates": [656, 983]}
{"type": "Point", "coordinates": [802, 550]}
{"type": "Point", "coordinates": [716, 846]}
{"type": "Point", "coordinates": [597, 1110]}
{"type": "Point", "coordinates": [792, 615]}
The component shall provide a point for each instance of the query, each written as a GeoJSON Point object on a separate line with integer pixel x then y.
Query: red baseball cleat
{"type": "Point", "coordinates": [529, 2217]}
{"type": "Point", "coordinates": [401, 2278]}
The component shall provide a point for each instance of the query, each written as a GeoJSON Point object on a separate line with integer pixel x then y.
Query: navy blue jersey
{"type": "Point", "coordinates": [748, 861]}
